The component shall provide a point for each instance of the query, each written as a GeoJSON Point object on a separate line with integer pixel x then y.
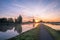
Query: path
{"type": "Point", "coordinates": [44, 35]}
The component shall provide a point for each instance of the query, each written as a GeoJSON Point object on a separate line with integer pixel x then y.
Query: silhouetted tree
{"type": "Point", "coordinates": [19, 19]}
{"type": "Point", "coordinates": [15, 20]}
{"type": "Point", "coordinates": [10, 20]}
{"type": "Point", "coordinates": [41, 21]}
{"type": "Point", "coordinates": [3, 20]}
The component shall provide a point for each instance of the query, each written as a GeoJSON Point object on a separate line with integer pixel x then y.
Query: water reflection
{"type": "Point", "coordinates": [8, 31]}
{"type": "Point", "coordinates": [18, 28]}
{"type": "Point", "coordinates": [56, 27]}
{"type": "Point", "coordinates": [4, 28]}
{"type": "Point", "coordinates": [35, 24]}
{"type": "Point", "coordinates": [27, 27]}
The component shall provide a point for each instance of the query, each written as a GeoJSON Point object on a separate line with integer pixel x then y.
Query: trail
{"type": "Point", "coordinates": [43, 34]}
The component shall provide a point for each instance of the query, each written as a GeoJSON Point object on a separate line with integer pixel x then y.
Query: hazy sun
{"type": "Point", "coordinates": [37, 20]}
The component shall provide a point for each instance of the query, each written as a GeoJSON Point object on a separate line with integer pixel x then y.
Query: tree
{"type": "Point", "coordinates": [41, 21]}
{"type": "Point", "coordinates": [19, 19]}
{"type": "Point", "coordinates": [3, 20]}
{"type": "Point", "coordinates": [10, 20]}
{"type": "Point", "coordinates": [15, 20]}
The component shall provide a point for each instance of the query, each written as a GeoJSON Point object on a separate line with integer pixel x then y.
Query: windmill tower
{"type": "Point", "coordinates": [33, 19]}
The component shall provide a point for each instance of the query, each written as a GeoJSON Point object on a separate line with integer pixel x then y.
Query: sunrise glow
{"type": "Point", "coordinates": [37, 20]}
{"type": "Point", "coordinates": [46, 10]}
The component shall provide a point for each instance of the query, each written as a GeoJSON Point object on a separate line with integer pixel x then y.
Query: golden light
{"type": "Point", "coordinates": [37, 20]}
{"type": "Point", "coordinates": [36, 24]}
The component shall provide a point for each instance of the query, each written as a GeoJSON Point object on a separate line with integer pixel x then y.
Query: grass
{"type": "Point", "coordinates": [29, 35]}
{"type": "Point", "coordinates": [54, 33]}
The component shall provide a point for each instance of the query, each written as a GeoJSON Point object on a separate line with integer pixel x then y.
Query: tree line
{"type": "Point", "coordinates": [10, 20]}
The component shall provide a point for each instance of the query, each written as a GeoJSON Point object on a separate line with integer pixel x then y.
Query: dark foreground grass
{"type": "Point", "coordinates": [29, 35]}
{"type": "Point", "coordinates": [54, 33]}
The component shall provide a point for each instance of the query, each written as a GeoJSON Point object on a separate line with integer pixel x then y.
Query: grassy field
{"type": "Point", "coordinates": [54, 33]}
{"type": "Point", "coordinates": [29, 35]}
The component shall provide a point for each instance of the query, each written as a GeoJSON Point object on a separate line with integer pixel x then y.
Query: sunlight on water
{"type": "Point", "coordinates": [56, 27]}
{"type": "Point", "coordinates": [29, 26]}
{"type": "Point", "coordinates": [35, 24]}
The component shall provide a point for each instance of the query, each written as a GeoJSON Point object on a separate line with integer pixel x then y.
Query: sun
{"type": "Point", "coordinates": [37, 20]}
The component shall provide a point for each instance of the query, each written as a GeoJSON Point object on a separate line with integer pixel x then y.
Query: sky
{"type": "Point", "coordinates": [47, 10]}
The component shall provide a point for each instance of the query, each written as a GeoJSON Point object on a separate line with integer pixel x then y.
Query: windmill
{"type": "Point", "coordinates": [33, 19]}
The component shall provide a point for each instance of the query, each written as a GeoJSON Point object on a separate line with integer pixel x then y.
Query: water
{"type": "Point", "coordinates": [29, 26]}
{"type": "Point", "coordinates": [56, 27]}
{"type": "Point", "coordinates": [9, 31]}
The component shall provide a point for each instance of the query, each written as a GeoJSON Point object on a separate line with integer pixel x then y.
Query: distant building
{"type": "Point", "coordinates": [33, 20]}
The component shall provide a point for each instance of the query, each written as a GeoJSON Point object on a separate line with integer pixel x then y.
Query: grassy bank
{"type": "Point", "coordinates": [54, 33]}
{"type": "Point", "coordinates": [29, 35]}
